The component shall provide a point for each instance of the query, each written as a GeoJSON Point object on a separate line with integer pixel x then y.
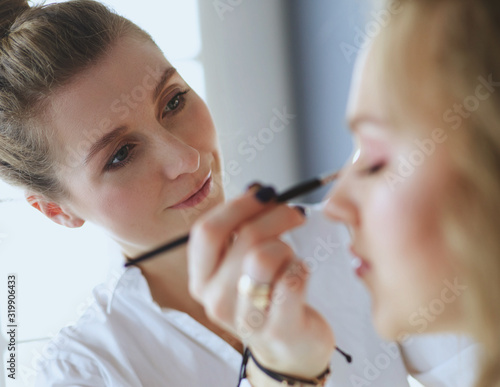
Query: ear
{"type": "Point", "coordinates": [54, 211]}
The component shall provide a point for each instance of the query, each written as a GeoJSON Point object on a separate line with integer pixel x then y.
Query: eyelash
{"type": "Point", "coordinates": [113, 166]}
{"type": "Point", "coordinates": [374, 169]}
{"type": "Point", "coordinates": [130, 155]}
{"type": "Point", "coordinates": [182, 101]}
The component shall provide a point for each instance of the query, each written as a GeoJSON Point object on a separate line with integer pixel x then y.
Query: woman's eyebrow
{"type": "Point", "coordinates": [104, 141]}
{"type": "Point", "coordinates": [167, 74]}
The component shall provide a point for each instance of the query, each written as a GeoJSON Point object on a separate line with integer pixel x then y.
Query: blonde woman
{"type": "Point", "coordinates": [419, 197]}
{"type": "Point", "coordinates": [137, 169]}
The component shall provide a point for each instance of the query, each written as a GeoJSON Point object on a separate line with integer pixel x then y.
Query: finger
{"type": "Point", "coordinates": [261, 267]}
{"type": "Point", "coordinates": [255, 248]}
{"type": "Point", "coordinates": [291, 321]}
{"type": "Point", "coordinates": [269, 224]}
{"type": "Point", "coordinates": [210, 235]}
{"type": "Point", "coordinates": [267, 261]}
{"type": "Point", "coordinates": [291, 314]}
{"type": "Point", "coordinates": [289, 294]}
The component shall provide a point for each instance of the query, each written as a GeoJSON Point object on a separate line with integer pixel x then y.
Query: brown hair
{"type": "Point", "coordinates": [41, 49]}
{"type": "Point", "coordinates": [435, 54]}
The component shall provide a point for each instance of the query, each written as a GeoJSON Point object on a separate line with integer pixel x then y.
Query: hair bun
{"type": "Point", "coordinates": [9, 11]}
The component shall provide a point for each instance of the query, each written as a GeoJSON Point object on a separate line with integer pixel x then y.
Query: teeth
{"type": "Point", "coordinates": [356, 262]}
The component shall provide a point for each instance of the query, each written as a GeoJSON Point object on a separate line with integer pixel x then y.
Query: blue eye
{"type": "Point", "coordinates": [175, 104]}
{"type": "Point", "coordinates": [121, 154]}
{"type": "Point", "coordinates": [120, 158]}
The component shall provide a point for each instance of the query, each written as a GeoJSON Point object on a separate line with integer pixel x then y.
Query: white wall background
{"type": "Point", "coordinates": [245, 53]}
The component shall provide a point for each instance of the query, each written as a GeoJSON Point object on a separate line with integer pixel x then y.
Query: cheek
{"type": "Point", "coordinates": [411, 221]}
{"type": "Point", "coordinates": [125, 202]}
{"type": "Point", "coordinates": [133, 215]}
{"type": "Point", "coordinates": [201, 130]}
{"type": "Point", "coordinates": [121, 204]}
{"type": "Point", "coordinates": [404, 225]}
{"type": "Point", "coordinates": [394, 242]}
{"type": "Point", "coordinates": [410, 260]}
{"type": "Point", "coordinates": [119, 211]}
{"type": "Point", "coordinates": [410, 213]}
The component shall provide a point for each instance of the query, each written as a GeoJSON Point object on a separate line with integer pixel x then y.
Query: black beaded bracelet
{"type": "Point", "coordinates": [286, 380]}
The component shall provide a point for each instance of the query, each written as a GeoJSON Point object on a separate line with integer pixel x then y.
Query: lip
{"type": "Point", "coordinates": [197, 195]}
{"type": "Point", "coordinates": [360, 265]}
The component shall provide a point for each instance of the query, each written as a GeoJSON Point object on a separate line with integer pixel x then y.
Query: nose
{"type": "Point", "coordinates": [341, 205]}
{"type": "Point", "coordinates": [177, 157]}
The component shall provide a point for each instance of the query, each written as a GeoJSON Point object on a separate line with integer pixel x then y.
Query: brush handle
{"type": "Point", "coordinates": [299, 189]}
{"type": "Point", "coordinates": [177, 242]}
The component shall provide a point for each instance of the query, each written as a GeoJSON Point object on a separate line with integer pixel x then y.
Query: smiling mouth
{"type": "Point", "coordinates": [197, 196]}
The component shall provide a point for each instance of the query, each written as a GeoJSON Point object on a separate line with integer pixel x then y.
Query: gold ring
{"type": "Point", "coordinates": [259, 293]}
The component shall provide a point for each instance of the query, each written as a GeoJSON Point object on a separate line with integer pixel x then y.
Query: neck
{"type": "Point", "coordinates": [167, 277]}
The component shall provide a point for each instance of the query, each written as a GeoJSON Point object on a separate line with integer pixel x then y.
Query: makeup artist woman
{"type": "Point", "coordinates": [137, 174]}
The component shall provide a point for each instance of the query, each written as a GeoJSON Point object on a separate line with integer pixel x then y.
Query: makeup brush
{"type": "Point", "coordinates": [295, 191]}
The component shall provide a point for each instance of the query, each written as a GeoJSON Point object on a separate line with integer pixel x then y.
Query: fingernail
{"type": "Point", "coordinates": [265, 194]}
{"type": "Point", "coordinates": [254, 187]}
{"type": "Point", "coordinates": [302, 210]}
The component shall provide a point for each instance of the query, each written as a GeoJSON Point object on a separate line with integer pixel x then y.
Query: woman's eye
{"type": "Point", "coordinates": [121, 157]}
{"type": "Point", "coordinates": [374, 169]}
{"type": "Point", "coordinates": [175, 103]}
{"type": "Point", "coordinates": [121, 154]}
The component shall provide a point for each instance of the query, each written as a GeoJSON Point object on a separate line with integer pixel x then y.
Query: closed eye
{"type": "Point", "coordinates": [374, 169]}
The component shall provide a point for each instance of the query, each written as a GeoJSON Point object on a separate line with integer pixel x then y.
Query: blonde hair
{"type": "Point", "coordinates": [41, 49]}
{"type": "Point", "coordinates": [435, 54]}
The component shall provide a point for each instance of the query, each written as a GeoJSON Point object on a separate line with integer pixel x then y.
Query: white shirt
{"type": "Point", "coordinates": [125, 339]}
